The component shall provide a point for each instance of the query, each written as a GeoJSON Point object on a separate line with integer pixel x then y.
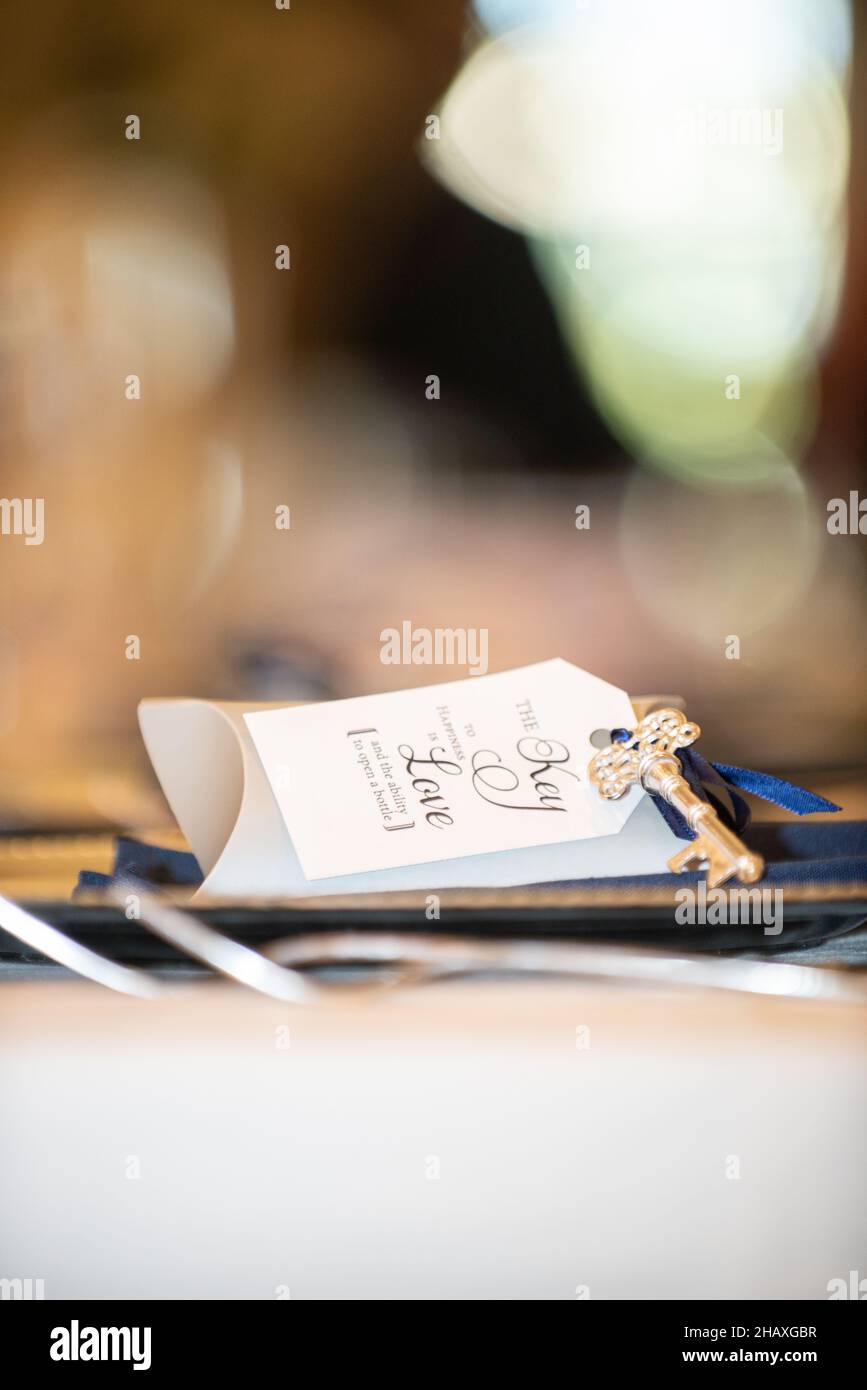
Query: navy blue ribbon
{"type": "Point", "coordinates": [721, 784]}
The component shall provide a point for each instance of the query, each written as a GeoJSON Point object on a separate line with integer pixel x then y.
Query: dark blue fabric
{"type": "Point", "coordinates": [150, 863]}
{"type": "Point", "coordinates": [775, 789]}
{"type": "Point", "coordinates": [797, 853]}
{"type": "Point", "coordinates": [717, 783]}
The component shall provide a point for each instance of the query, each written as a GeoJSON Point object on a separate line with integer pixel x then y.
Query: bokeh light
{"type": "Point", "coordinates": [680, 171]}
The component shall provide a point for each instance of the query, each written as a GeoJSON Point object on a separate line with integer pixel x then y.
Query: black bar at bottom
{"type": "Point", "coordinates": [153, 1337]}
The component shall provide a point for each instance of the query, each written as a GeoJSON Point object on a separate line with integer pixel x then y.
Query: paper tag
{"type": "Point", "coordinates": [470, 767]}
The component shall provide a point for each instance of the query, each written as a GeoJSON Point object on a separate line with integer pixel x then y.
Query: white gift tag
{"type": "Point", "coordinates": [471, 767]}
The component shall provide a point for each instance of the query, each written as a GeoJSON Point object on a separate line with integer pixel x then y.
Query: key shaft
{"type": "Point", "coordinates": [725, 855]}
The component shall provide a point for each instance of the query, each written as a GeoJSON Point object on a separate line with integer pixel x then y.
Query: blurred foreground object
{"type": "Point", "coordinates": [468, 1141]}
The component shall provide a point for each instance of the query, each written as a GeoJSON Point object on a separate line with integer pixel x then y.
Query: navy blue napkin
{"type": "Point", "coordinates": [797, 853]}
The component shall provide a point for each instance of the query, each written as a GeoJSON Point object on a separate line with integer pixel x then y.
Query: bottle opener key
{"type": "Point", "coordinates": [648, 757]}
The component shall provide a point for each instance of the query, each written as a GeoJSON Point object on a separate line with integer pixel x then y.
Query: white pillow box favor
{"type": "Point", "coordinates": [215, 783]}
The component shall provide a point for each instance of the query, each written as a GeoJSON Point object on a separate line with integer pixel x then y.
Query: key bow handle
{"type": "Point", "coordinates": [619, 766]}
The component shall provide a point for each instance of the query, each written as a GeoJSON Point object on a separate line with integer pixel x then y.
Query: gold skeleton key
{"type": "Point", "coordinates": [648, 757]}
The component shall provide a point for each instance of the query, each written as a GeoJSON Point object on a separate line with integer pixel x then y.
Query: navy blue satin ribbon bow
{"type": "Point", "coordinates": [720, 783]}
